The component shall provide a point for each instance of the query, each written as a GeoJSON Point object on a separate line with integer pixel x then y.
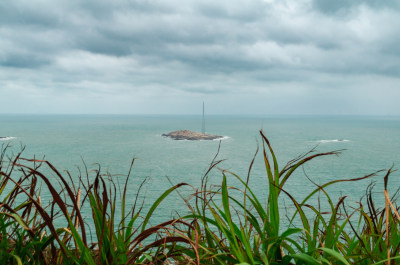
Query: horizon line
{"type": "Point", "coordinates": [197, 114]}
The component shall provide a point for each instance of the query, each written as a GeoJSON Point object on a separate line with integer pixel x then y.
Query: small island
{"type": "Point", "coordinates": [189, 135]}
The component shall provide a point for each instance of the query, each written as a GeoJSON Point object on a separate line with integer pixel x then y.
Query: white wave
{"type": "Point", "coordinates": [7, 138]}
{"type": "Point", "coordinates": [222, 138]}
{"type": "Point", "coordinates": [333, 141]}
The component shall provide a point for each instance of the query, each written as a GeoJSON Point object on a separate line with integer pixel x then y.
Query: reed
{"type": "Point", "coordinates": [29, 234]}
{"type": "Point", "coordinates": [226, 225]}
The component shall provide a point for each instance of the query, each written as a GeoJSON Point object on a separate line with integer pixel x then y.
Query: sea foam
{"type": "Point", "coordinates": [7, 138]}
{"type": "Point", "coordinates": [223, 138]}
{"type": "Point", "coordinates": [333, 141]}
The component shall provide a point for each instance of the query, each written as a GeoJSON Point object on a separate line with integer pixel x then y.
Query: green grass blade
{"type": "Point", "coordinates": [306, 258]}
{"type": "Point", "coordinates": [157, 203]}
{"type": "Point", "coordinates": [335, 254]}
{"type": "Point", "coordinates": [18, 259]}
{"type": "Point", "coordinates": [81, 246]}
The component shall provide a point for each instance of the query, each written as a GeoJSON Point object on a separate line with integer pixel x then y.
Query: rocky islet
{"type": "Point", "coordinates": [190, 135]}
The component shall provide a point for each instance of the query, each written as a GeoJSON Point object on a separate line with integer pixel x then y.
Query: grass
{"type": "Point", "coordinates": [226, 224]}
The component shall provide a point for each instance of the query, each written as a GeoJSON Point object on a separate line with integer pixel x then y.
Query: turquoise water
{"type": "Point", "coordinates": [371, 143]}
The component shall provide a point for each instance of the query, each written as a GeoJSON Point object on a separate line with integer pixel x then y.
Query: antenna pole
{"type": "Point", "coordinates": [203, 127]}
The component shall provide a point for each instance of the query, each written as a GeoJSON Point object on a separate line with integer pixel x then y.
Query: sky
{"type": "Point", "coordinates": [313, 57]}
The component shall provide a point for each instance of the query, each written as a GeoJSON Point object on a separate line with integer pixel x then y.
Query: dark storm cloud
{"type": "Point", "coordinates": [343, 7]}
{"type": "Point", "coordinates": [180, 50]}
{"type": "Point", "coordinates": [21, 60]}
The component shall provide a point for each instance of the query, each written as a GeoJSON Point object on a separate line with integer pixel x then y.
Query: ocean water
{"type": "Point", "coordinates": [112, 141]}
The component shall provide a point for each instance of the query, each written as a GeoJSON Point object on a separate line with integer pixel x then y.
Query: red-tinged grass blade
{"type": "Point", "coordinates": [48, 220]}
{"type": "Point", "coordinates": [139, 240]}
{"type": "Point", "coordinates": [339, 181]}
{"type": "Point", "coordinates": [288, 171]}
{"type": "Point", "coordinates": [273, 187]}
{"type": "Point", "coordinates": [67, 188]}
{"type": "Point", "coordinates": [331, 183]}
{"type": "Point", "coordinates": [276, 168]}
{"type": "Point", "coordinates": [157, 243]}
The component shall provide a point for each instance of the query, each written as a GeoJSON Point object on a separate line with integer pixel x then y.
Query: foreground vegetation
{"type": "Point", "coordinates": [226, 225]}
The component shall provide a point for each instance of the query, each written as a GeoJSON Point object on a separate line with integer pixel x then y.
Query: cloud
{"type": "Point", "coordinates": [343, 7]}
{"type": "Point", "coordinates": [152, 56]}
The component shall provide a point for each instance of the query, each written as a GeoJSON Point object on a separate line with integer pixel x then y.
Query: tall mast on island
{"type": "Point", "coordinates": [203, 127]}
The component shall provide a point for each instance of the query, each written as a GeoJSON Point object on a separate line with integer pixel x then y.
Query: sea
{"type": "Point", "coordinates": [109, 143]}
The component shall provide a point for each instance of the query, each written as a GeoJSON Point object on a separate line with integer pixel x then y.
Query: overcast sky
{"type": "Point", "coordinates": [168, 56]}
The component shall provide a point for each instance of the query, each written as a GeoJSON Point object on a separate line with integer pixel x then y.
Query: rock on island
{"type": "Point", "coordinates": [189, 135]}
